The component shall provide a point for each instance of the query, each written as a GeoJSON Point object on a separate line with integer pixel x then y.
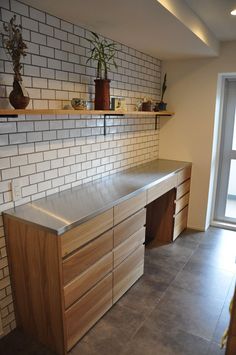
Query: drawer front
{"type": "Point", "coordinates": [125, 275]}
{"type": "Point", "coordinates": [85, 257]}
{"type": "Point", "coordinates": [128, 227]}
{"type": "Point", "coordinates": [160, 189]}
{"type": "Point", "coordinates": [180, 222]}
{"type": "Point", "coordinates": [181, 203]}
{"type": "Point", "coordinates": [85, 232]}
{"type": "Point", "coordinates": [184, 175]}
{"type": "Point", "coordinates": [80, 285]}
{"type": "Point", "coordinates": [127, 208]}
{"type": "Point", "coordinates": [183, 189]}
{"type": "Point", "coordinates": [128, 246]}
{"type": "Point", "coordinates": [80, 317]}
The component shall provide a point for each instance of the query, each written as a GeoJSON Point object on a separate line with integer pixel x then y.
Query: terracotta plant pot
{"type": "Point", "coordinates": [19, 97]}
{"type": "Point", "coordinates": [102, 94]}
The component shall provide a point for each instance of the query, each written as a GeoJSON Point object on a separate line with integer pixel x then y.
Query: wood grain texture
{"type": "Point", "coordinates": [128, 227]}
{"type": "Point", "coordinates": [180, 222]}
{"type": "Point", "coordinates": [81, 112]}
{"type": "Point", "coordinates": [81, 284]}
{"type": "Point", "coordinates": [183, 189]}
{"type": "Point", "coordinates": [86, 256]}
{"type": "Point", "coordinates": [127, 273]}
{"type": "Point", "coordinates": [231, 342]}
{"type": "Point", "coordinates": [184, 175]}
{"type": "Point", "coordinates": [160, 189]}
{"type": "Point", "coordinates": [181, 203]}
{"type": "Point", "coordinates": [125, 209]}
{"type": "Point", "coordinates": [35, 273]}
{"type": "Point", "coordinates": [85, 232]}
{"type": "Point", "coordinates": [88, 310]}
{"type": "Point", "coordinates": [123, 250]}
{"type": "Point", "coordinates": [160, 221]}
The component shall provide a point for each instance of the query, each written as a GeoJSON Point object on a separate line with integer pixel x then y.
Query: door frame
{"type": "Point", "coordinates": [215, 162]}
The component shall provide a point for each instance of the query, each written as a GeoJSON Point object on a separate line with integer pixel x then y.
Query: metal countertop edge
{"type": "Point", "coordinates": [61, 231]}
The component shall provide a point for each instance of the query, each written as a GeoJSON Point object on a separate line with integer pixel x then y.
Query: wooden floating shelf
{"type": "Point", "coordinates": [104, 113]}
{"type": "Point", "coordinates": [12, 113]}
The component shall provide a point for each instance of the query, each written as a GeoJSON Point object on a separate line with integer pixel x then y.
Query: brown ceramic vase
{"type": "Point", "coordinates": [19, 97]}
{"type": "Point", "coordinates": [102, 94]}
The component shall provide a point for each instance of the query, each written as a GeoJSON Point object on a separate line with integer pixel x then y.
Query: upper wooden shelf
{"type": "Point", "coordinates": [10, 112]}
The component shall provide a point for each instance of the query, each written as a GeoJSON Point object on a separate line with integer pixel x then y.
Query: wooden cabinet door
{"type": "Point", "coordinates": [129, 271]}
{"type": "Point", "coordinates": [81, 284]}
{"type": "Point", "coordinates": [88, 310]}
{"type": "Point", "coordinates": [125, 209]}
{"type": "Point", "coordinates": [128, 246]}
{"type": "Point", "coordinates": [86, 232]}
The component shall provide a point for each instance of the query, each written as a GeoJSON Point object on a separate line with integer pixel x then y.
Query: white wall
{"type": "Point", "coordinates": [188, 135]}
{"type": "Point", "coordinates": [48, 154]}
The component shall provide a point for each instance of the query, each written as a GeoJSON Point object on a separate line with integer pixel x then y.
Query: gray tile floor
{"type": "Point", "coordinates": [179, 306]}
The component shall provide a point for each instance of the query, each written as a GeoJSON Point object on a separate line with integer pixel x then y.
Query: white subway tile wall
{"type": "Point", "coordinates": [48, 154]}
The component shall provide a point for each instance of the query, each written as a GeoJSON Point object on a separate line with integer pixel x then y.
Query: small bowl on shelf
{"type": "Point", "coordinates": [79, 104]}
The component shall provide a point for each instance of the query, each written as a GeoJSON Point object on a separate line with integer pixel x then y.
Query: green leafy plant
{"type": "Point", "coordinates": [103, 53]}
{"type": "Point", "coordinates": [164, 87]}
{"type": "Point", "coordinates": [14, 45]}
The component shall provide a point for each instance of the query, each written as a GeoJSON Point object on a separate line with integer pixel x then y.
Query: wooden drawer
{"type": "Point", "coordinates": [85, 232]}
{"type": "Point", "coordinates": [128, 246]}
{"type": "Point", "coordinates": [180, 222]}
{"type": "Point", "coordinates": [88, 310]}
{"type": "Point", "coordinates": [181, 203]}
{"type": "Point", "coordinates": [182, 189]}
{"type": "Point", "coordinates": [183, 175]}
{"type": "Point", "coordinates": [125, 275]}
{"type": "Point", "coordinates": [127, 208]}
{"type": "Point", "coordinates": [85, 257]}
{"type": "Point", "coordinates": [128, 227]}
{"type": "Point", "coordinates": [160, 189]}
{"type": "Point", "coordinates": [80, 285]}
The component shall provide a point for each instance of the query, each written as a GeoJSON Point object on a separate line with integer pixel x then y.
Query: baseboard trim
{"type": "Point", "coordinates": [224, 225]}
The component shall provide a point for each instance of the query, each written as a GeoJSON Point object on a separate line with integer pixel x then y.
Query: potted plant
{"type": "Point", "coordinates": [103, 54]}
{"type": "Point", "coordinates": [16, 48]}
{"type": "Point", "coordinates": [161, 106]}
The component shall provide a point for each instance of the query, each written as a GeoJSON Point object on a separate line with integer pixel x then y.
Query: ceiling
{"type": "Point", "coordinates": [166, 29]}
{"type": "Point", "coordinates": [215, 14]}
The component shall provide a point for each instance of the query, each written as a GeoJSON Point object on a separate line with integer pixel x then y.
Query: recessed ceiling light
{"type": "Point", "coordinates": [233, 12]}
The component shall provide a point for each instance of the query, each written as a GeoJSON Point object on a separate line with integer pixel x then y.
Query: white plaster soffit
{"type": "Point", "coordinates": [189, 19]}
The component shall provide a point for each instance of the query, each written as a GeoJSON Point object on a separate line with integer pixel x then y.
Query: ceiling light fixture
{"type": "Point", "coordinates": [233, 12]}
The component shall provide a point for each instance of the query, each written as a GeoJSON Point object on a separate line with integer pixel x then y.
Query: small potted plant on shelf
{"type": "Point", "coordinates": [103, 54]}
{"type": "Point", "coordinates": [161, 106]}
{"type": "Point", "coordinates": [16, 48]}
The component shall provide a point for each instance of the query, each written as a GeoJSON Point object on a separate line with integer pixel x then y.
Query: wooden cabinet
{"type": "Point", "coordinates": [125, 275]}
{"type": "Point", "coordinates": [182, 200]}
{"type": "Point", "coordinates": [128, 207]}
{"type": "Point", "coordinates": [80, 317]}
{"type": "Point", "coordinates": [81, 284]}
{"type": "Point", "coordinates": [128, 246]}
{"type": "Point", "coordinates": [128, 227]}
{"type": "Point", "coordinates": [85, 257]}
{"type": "Point", "coordinates": [85, 232]}
{"type": "Point", "coordinates": [63, 284]}
{"type": "Point", "coordinates": [231, 341]}
{"type": "Point", "coordinates": [167, 208]}
{"type": "Point", "coordinates": [161, 188]}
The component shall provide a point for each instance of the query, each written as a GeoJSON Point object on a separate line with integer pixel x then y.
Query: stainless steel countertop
{"type": "Point", "coordinates": [62, 211]}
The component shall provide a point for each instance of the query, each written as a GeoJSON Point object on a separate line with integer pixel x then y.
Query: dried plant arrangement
{"type": "Point", "coordinates": [14, 45]}
{"type": "Point", "coordinates": [16, 48]}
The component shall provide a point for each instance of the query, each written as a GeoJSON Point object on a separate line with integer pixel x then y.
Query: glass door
{"type": "Point", "coordinates": [225, 207]}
